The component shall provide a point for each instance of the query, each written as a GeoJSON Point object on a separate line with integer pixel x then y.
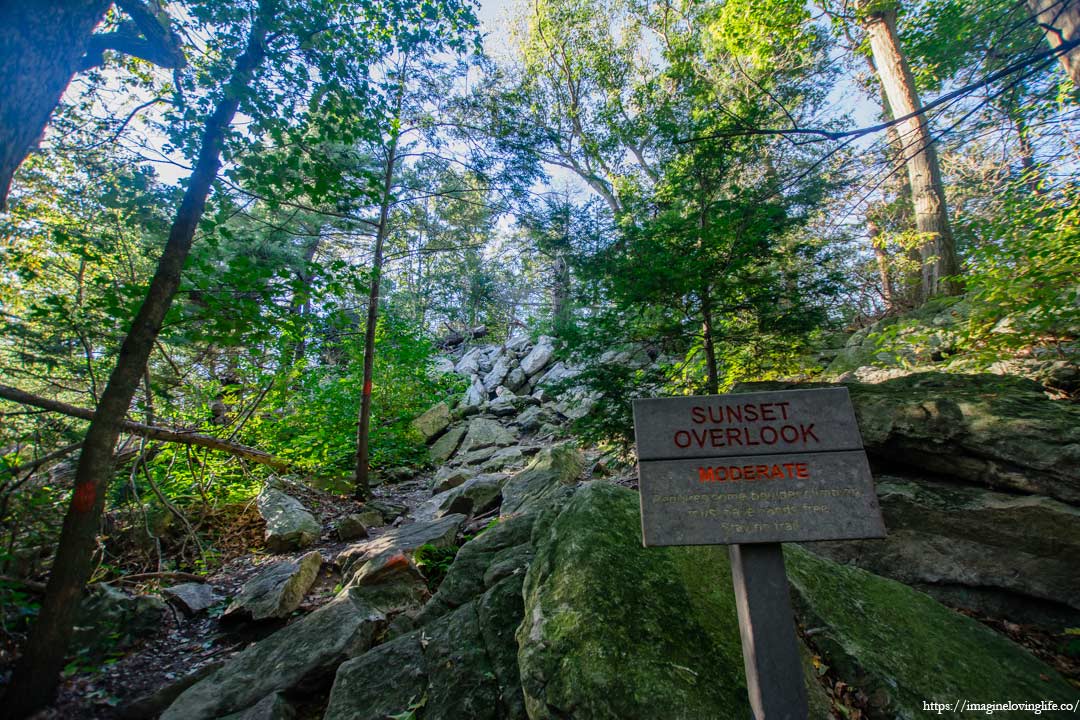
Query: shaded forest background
{"type": "Point", "coordinates": [237, 235]}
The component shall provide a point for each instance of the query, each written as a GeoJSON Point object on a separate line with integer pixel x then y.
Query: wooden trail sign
{"type": "Point", "coordinates": [751, 471]}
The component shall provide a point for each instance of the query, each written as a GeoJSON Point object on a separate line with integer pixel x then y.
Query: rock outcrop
{"type": "Point", "coordinates": [557, 611]}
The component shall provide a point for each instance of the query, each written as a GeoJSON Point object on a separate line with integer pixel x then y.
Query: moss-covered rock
{"type": "Point", "coordinates": [552, 469]}
{"type": "Point", "coordinates": [614, 630]}
{"type": "Point", "coordinates": [901, 647]}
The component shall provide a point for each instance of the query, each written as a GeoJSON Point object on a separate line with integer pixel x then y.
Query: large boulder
{"type": "Point", "coordinates": [472, 497]}
{"type": "Point", "coordinates": [497, 374]}
{"type": "Point", "coordinates": [1004, 554]}
{"type": "Point", "coordinates": [901, 648]}
{"type": "Point", "coordinates": [278, 590]}
{"type": "Point", "coordinates": [433, 422]}
{"type": "Point", "coordinates": [475, 396]}
{"type": "Point", "coordinates": [289, 525]}
{"type": "Point", "coordinates": [616, 630]}
{"type": "Point", "coordinates": [299, 656]}
{"type": "Point", "coordinates": [1000, 432]}
{"type": "Point", "coordinates": [612, 629]}
{"type": "Point", "coordinates": [449, 668]}
{"type": "Point", "coordinates": [469, 364]}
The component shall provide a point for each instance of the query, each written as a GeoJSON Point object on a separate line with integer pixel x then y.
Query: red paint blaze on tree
{"type": "Point", "coordinates": [83, 500]}
{"type": "Point", "coordinates": [367, 387]}
{"type": "Point", "coordinates": [734, 473]}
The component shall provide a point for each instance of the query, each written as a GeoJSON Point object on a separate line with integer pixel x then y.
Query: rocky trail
{"type": "Point", "coordinates": [510, 582]}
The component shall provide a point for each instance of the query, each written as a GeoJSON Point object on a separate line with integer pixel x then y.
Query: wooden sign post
{"type": "Point", "coordinates": [752, 471]}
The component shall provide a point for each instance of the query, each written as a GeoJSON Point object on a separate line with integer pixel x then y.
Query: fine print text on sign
{"type": "Point", "coordinates": [750, 468]}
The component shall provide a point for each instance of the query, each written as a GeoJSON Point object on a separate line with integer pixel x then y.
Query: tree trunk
{"type": "Point", "coordinates": [41, 47]}
{"type": "Point", "coordinates": [882, 259]}
{"type": "Point", "coordinates": [1060, 20]}
{"type": "Point", "coordinates": [37, 673]}
{"type": "Point", "coordinates": [938, 251]}
{"type": "Point", "coordinates": [148, 431]}
{"type": "Point", "coordinates": [712, 375]}
{"type": "Point", "coordinates": [361, 482]}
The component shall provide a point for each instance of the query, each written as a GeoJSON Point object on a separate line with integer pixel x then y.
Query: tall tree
{"type": "Point", "coordinates": [37, 673]}
{"type": "Point", "coordinates": [940, 266]}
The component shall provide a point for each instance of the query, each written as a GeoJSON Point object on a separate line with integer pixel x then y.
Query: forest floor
{"type": "Point", "coordinates": [184, 644]}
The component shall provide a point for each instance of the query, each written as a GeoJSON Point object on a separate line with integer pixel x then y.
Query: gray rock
{"type": "Point", "coordinates": [384, 682]}
{"type": "Point", "coordinates": [498, 373]}
{"type": "Point", "coordinates": [532, 418]}
{"type": "Point", "coordinates": [150, 706]}
{"type": "Point", "coordinates": [516, 379]}
{"type": "Point", "coordinates": [278, 590]}
{"type": "Point", "coordinates": [999, 432]}
{"type": "Point", "coordinates": [192, 598]}
{"type": "Point", "coordinates": [469, 364]}
{"type": "Point", "coordinates": [552, 469]}
{"type": "Point", "coordinates": [485, 432]}
{"type": "Point", "coordinates": [298, 657]}
{"type": "Point", "coordinates": [388, 509]}
{"type": "Point", "coordinates": [899, 646]}
{"type": "Point", "coordinates": [447, 478]}
{"type": "Point", "coordinates": [519, 345]}
{"type": "Point", "coordinates": [403, 540]}
{"type": "Point", "coordinates": [433, 422]}
{"type": "Point", "coordinates": [445, 446]}
{"type": "Point", "coordinates": [558, 372]}
{"type": "Point", "coordinates": [370, 518]}
{"type": "Point", "coordinates": [476, 395]}
{"type": "Point", "coordinates": [947, 536]}
{"type": "Point", "coordinates": [352, 527]}
{"type": "Point", "coordinates": [502, 406]}
{"type": "Point", "coordinates": [468, 577]}
{"type": "Point", "coordinates": [446, 667]}
{"type": "Point", "coordinates": [503, 459]}
{"type": "Point", "coordinates": [539, 357]}
{"type": "Point", "coordinates": [472, 497]}
{"type": "Point", "coordinates": [475, 457]}
{"type": "Point", "coordinates": [289, 525]}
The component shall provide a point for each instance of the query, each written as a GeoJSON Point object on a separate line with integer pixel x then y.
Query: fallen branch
{"type": "Point", "coordinates": [149, 431]}
{"type": "Point", "coordinates": [163, 575]}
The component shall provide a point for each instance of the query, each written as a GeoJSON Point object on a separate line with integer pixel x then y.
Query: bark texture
{"type": "Point", "coordinates": [36, 675]}
{"type": "Point", "coordinates": [1060, 20]}
{"type": "Point", "coordinates": [41, 48]}
{"type": "Point", "coordinates": [938, 251]}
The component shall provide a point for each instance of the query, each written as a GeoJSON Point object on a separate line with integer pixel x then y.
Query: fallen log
{"type": "Point", "coordinates": [151, 432]}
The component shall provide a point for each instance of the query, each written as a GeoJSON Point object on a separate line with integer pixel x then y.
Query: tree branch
{"type": "Point", "coordinates": [822, 134]}
{"type": "Point", "coordinates": [149, 431]}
